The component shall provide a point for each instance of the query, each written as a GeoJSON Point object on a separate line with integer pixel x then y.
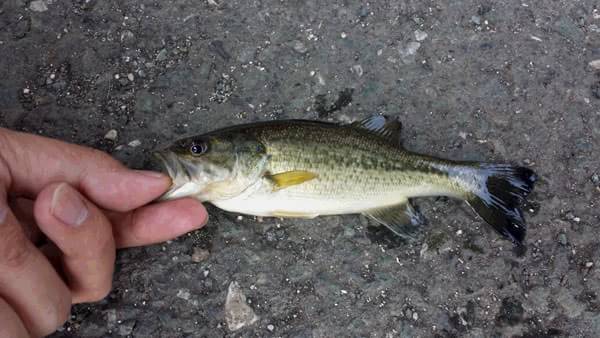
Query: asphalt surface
{"type": "Point", "coordinates": [511, 81]}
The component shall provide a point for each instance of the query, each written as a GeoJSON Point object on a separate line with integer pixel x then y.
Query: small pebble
{"type": "Point", "coordinates": [130, 77]}
{"type": "Point", "coordinates": [476, 19]}
{"type": "Point", "coordinates": [111, 317]}
{"type": "Point", "coordinates": [162, 55]}
{"type": "Point", "coordinates": [363, 12]}
{"type": "Point", "coordinates": [183, 294]}
{"type": "Point", "coordinates": [595, 64]}
{"type": "Point", "coordinates": [111, 135]}
{"type": "Point", "coordinates": [300, 47]}
{"type": "Point", "coordinates": [589, 264]}
{"type": "Point", "coordinates": [409, 49]}
{"type": "Point", "coordinates": [571, 217]}
{"type": "Point", "coordinates": [135, 143]}
{"type": "Point", "coordinates": [200, 255]}
{"type": "Point", "coordinates": [415, 316]}
{"type": "Point", "coordinates": [126, 327]}
{"type": "Point", "coordinates": [420, 35]}
{"type": "Point", "coordinates": [240, 218]}
{"type": "Point", "coordinates": [595, 178]}
{"type": "Point", "coordinates": [26, 91]}
{"type": "Point", "coordinates": [357, 69]}
{"type": "Point", "coordinates": [562, 239]}
{"type": "Point", "coordinates": [38, 6]}
{"type": "Point", "coordinates": [237, 312]}
{"type": "Point", "coordinates": [127, 35]}
{"type": "Point", "coordinates": [533, 37]}
{"type": "Point", "coordinates": [270, 327]}
{"type": "Point", "coordinates": [343, 35]}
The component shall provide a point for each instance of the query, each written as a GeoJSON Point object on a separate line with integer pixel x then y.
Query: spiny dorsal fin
{"type": "Point", "coordinates": [290, 178]}
{"type": "Point", "coordinates": [402, 219]}
{"type": "Point", "coordinates": [381, 126]}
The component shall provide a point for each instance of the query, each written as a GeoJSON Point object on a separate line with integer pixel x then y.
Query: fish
{"type": "Point", "coordinates": [299, 168]}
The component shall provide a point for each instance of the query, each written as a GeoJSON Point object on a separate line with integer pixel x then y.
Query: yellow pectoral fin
{"type": "Point", "coordinates": [290, 178]}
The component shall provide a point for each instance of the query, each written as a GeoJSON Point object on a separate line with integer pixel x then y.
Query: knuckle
{"type": "Point", "coordinates": [101, 157]}
{"type": "Point", "coordinates": [100, 243]}
{"type": "Point", "coordinates": [14, 249]}
{"type": "Point", "coordinates": [137, 233]}
{"type": "Point", "coordinates": [98, 157]}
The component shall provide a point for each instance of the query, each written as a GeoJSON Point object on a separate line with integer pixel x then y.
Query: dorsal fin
{"type": "Point", "coordinates": [381, 126]}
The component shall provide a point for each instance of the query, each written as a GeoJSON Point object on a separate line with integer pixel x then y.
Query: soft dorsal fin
{"type": "Point", "coordinates": [382, 126]}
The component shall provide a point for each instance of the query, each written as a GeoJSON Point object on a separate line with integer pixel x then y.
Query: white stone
{"type": "Point", "coordinates": [38, 6]}
{"type": "Point", "coordinates": [595, 64]}
{"type": "Point", "coordinates": [135, 143]}
{"type": "Point", "coordinates": [238, 313]}
{"type": "Point", "coordinates": [184, 294]}
{"type": "Point", "coordinates": [111, 135]}
{"type": "Point", "coordinates": [420, 35]}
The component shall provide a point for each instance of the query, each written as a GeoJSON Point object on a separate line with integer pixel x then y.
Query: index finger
{"type": "Point", "coordinates": [35, 161]}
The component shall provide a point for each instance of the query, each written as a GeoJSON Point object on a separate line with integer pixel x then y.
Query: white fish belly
{"type": "Point", "coordinates": [275, 205]}
{"type": "Point", "coordinates": [260, 200]}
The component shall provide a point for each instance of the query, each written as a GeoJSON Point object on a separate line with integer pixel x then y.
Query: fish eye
{"type": "Point", "coordinates": [198, 148]}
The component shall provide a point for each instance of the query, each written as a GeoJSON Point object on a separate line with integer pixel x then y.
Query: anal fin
{"type": "Point", "coordinates": [402, 219]}
{"type": "Point", "coordinates": [293, 214]}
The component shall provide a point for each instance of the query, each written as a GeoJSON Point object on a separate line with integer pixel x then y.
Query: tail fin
{"type": "Point", "coordinates": [501, 191]}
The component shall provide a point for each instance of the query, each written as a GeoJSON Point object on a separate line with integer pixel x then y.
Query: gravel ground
{"type": "Point", "coordinates": [511, 81]}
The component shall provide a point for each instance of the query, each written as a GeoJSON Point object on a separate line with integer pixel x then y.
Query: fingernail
{"type": "Point", "coordinates": [68, 207]}
{"type": "Point", "coordinates": [152, 174]}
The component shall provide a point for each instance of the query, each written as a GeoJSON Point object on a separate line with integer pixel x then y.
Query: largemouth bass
{"type": "Point", "coordinates": [303, 168]}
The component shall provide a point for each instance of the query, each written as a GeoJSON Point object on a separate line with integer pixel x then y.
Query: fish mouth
{"type": "Point", "coordinates": [172, 166]}
{"type": "Point", "coordinates": [167, 163]}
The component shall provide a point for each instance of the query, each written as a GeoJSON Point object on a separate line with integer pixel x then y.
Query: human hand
{"type": "Point", "coordinates": [87, 205]}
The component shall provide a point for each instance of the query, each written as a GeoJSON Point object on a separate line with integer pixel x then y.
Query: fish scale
{"type": "Point", "coordinates": [343, 164]}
